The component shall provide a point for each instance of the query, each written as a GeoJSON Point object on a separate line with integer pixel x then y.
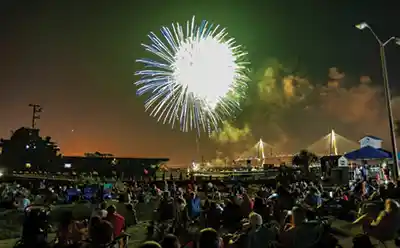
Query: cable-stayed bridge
{"type": "Point", "coordinates": [330, 144]}
{"type": "Point", "coordinates": [264, 153]}
{"type": "Point", "coordinates": [260, 150]}
{"type": "Point", "coordinates": [333, 144]}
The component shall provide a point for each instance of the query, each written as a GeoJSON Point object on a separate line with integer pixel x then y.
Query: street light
{"type": "Point", "coordinates": [362, 25]}
{"type": "Point", "coordinates": [382, 45]}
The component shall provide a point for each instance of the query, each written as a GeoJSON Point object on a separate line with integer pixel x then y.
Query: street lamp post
{"type": "Point", "coordinates": [386, 86]}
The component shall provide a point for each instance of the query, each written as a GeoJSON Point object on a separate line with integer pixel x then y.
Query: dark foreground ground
{"type": "Point", "coordinates": [10, 224]}
{"type": "Point", "coordinates": [11, 228]}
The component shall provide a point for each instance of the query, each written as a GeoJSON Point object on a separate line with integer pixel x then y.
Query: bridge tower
{"type": "Point", "coordinates": [332, 143]}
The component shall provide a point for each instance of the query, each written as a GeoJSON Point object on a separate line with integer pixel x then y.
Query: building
{"type": "Point", "coordinates": [111, 166]}
{"type": "Point", "coordinates": [372, 141]}
{"type": "Point", "coordinates": [27, 151]}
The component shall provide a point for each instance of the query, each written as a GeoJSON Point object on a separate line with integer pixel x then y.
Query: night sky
{"type": "Point", "coordinates": [77, 59]}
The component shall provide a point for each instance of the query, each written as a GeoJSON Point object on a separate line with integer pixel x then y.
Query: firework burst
{"type": "Point", "coordinates": [196, 77]}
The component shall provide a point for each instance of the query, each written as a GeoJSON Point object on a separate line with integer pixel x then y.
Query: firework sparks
{"type": "Point", "coordinates": [196, 77]}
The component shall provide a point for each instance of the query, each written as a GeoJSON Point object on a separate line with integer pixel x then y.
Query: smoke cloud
{"type": "Point", "coordinates": [290, 113]}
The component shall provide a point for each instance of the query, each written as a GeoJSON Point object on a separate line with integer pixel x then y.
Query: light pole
{"type": "Point", "coordinates": [36, 110]}
{"type": "Point", "coordinates": [388, 97]}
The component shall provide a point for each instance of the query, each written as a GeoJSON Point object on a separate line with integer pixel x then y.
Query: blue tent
{"type": "Point", "coordinates": [367, 152]}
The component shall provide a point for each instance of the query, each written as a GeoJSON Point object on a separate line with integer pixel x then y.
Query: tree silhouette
{"type": "Point", "coordinates": [304, 159]}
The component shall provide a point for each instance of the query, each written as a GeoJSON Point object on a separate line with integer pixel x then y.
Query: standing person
{"type": "Point", "coordinates": [173, 189]}
{"type": "Point", "coordinates": [357, 173]}
{"type": "Point", "coordinates": [194, 205]}
{"type": "Point", "coordinates": [247, 205]}
{"type": "Point", "coordinates": [379, 176]}
{"type": "Point", "coordinates": [364, 171]}
{"type": "Point", "coordinates": [166, 188]}
{"type": "Point", "coordinates": [214, 216]}
{"type": "Point", "coordinates": [181, 216]}
{"type": "Point", "coordinates": [167, 208]}
{"type": "Point", "coordinates": [385, 172]}
{"type": "Point", "coordinates": [22, 201]}
{"type": "Point", "coordinates": [131, 215]}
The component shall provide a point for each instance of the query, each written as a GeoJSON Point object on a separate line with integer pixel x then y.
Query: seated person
{"type": "Point", "coordinates": [101, 211]}
{"type": "Point", "coordinates": [209, 239]}
{"type": "Point", "coordinates": [387, 224]}
{"type": "Point", "coordinates": [70, 231]}
{"type": "Point", "coordinates": [170, 241]}
{"type": "Point", "coordinates": [313, 199]}
{"type": "Point", "coordinates": [257, 234]}
{"type": "Point", "coordinates": [100, 232]}
{"type": "Point", "coordinates": [299, 233]}
{"type": "Point", "coordinates": [116, 220]}
{"type": "Point", "coordinates": [150, 244]}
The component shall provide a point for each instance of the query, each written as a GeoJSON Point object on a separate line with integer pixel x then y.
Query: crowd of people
{"type": "Point", "coordinates": [290, 213]}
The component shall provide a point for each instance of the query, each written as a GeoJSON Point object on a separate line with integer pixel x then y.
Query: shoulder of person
{"type": "Point", "coordinates": [106, 222]}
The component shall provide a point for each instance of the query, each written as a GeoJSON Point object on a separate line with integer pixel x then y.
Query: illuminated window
{"type": "Point", "coordinates": [67, 165]}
